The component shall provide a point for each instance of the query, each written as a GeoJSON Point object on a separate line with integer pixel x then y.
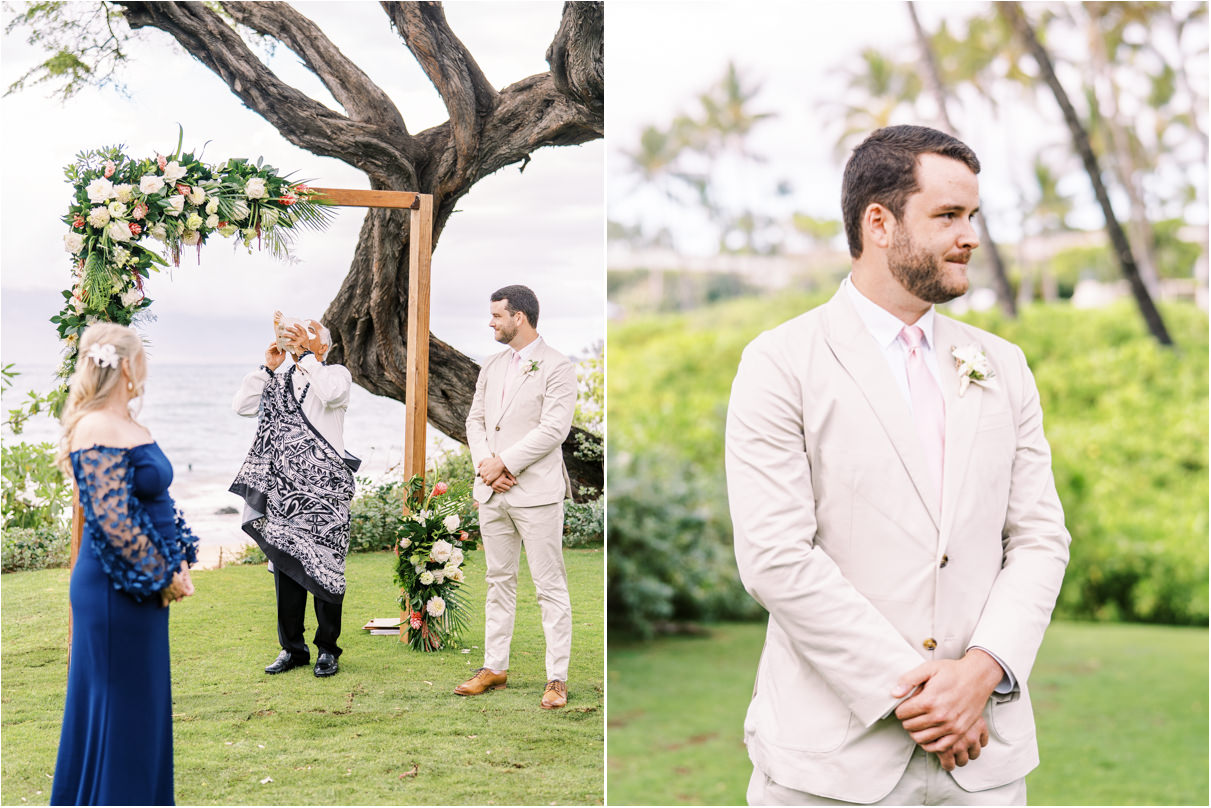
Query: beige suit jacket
{"type": "Point", "coordinates": [838, 535]}
{"type": "Point", "coordinates": [527, 429]}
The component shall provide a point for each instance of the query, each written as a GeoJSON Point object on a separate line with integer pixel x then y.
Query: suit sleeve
{"type": "Point", "coordinates": [769, 480]}
{"type": "Point", "coordinates": [1035, 546]}
{"type": "Point", "coordinates": [554, 423]}
{"type": "Point", "coordinates": [477, 428]}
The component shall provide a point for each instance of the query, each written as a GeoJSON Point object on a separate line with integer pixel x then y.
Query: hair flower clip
{"type": "Point", "coordinates": [106, 356]}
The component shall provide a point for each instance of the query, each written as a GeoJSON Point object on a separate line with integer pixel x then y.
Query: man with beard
{"type": "Point", "coordinates": [895, 512]}
{"type": "Point", "coordinates": [521, 414]}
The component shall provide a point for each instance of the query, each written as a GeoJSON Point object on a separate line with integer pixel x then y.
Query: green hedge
{"type": "Point", "coordinates": [1127, 422]}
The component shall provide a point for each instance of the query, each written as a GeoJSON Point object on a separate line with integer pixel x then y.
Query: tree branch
{"type": "Point", "coordinates": [300, 119]}
{"type": "Point", "coordinates": [361, 98]}
{"type": "Point", "coordinates": [466, 91]}
{"type": "Point", "coordinates": [577, 55]}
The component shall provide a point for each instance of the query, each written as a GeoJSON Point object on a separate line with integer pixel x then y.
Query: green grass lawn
{"type": "Point", "coordinates": [387, 729]}
{"type": "Point", "coordinates": [1121, 713]}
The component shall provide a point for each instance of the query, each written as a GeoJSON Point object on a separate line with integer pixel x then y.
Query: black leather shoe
{"type": "Point", "coordinates": [326, 665]}
{"type": "Point", "coordinates": [284, 662]}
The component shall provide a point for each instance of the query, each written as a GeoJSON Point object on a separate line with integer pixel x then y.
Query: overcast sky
{"type": "Point", "coordinates": [543, 228]}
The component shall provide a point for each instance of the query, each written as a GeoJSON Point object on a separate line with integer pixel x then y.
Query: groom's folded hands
{"type": "Point", "coordinates": [945, 714]}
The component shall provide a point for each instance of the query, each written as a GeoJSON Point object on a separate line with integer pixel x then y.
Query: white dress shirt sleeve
{"type": "Point", "coordinates": [330, 384]}
{"type": "Point", "coordinates": [247, 401]}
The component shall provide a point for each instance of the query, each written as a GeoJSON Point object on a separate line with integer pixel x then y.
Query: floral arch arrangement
{"type": "Point", "coordinates": [129, 217]}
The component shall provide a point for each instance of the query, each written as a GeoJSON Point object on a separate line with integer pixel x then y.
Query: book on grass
{"type": "Point", "coordinates": [380, 624]}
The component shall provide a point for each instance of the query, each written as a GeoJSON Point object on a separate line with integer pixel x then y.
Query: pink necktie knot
{"type": "Point", "coordinates": [913, 336]}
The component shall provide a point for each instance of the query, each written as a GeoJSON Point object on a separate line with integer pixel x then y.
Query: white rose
{"type": "Point", "coordinates": [158, 232]}
{"type": "Point", "coordinates": [436, 606]}
{"type": "Point", "coordinates": [118, 231]}
{"type": "Point", "coordinates": [121, 256]}
{"type": "Point", "coordinates": [441, 550]}
{"type": "Point", "coordinates": [98, 217]}
{"type": "Point", "coordinates": [212, 207]}
{"type": "Point", "coordinates": [228, 230]}
{"type": "Point", "coordinates": [255, 188]}
{"type": "Point", "coordinates": [212, 221]}
{"type": "Point", "coordinates": [173, 172]}
{"type": "Point", "coordinates": [439, 576]}
{"type": "Point", "coordinates": [270, 217]}
{"type": "Point", "coordinates": [449, 570]}
{"type": "Point", "coordinates": [124, 192]}
{"type": "Point", "coordinates": [426, 578]}
{"type": "Point", "coordinates": [405, 543]}
{"type": "Point", "coordinates": [117, 209]}
{"type": "Point", "coordinates": [240, 211]}
{"type": "Point", "coordinates": [456, 576]}
{"type": "Point", "coordinates": [194, 221]}
{"type": "Point", "coordinates": [191, 237]}
{"type": "Point", "coordinates": [419, 568]}
{"type": "Point", "coordinates": [176, 204]}
{"type": "Point", "coordinates": [73, 242]}
{"type": "Point", "coordinates": [100, 190]}
{"type": "Point", "coordinates": [131, 296]}
{"type": "Point", "coordinates": [197, 196]}
{"type": "Point", "coordinates": [451, 522]}
{"type": "Point", "coordinates": [456, 557]}
{"type": "Point", "coordinates": [150, 183]}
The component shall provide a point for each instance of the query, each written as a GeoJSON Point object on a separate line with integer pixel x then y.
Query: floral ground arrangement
{"type": "Point", "coordinates": [128, 217]}
{"type": "Point", "coordinates": [428, 566]}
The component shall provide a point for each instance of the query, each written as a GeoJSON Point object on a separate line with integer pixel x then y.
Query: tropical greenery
{"type": "Point", "coordinates": [1126, 419]}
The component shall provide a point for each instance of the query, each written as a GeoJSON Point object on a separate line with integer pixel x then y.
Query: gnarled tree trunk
{"type": "Point", "coordinates": [487, 130]}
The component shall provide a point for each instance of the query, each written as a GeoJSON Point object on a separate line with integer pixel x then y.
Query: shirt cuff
{"type": "Point", "coordinates": [1008, 683]}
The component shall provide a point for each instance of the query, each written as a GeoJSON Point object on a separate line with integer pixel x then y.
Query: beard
{"type": "Point", "coordinates": [506, 333]}
{"type": "Point", "coordinates": [922, 273]}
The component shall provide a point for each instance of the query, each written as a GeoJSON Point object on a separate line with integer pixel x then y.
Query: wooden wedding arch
{"type": "Point", "coordinates": [416, 386]}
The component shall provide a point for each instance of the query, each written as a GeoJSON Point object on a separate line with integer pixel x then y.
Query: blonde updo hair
{"type": "Point", "coordinates": [92, 384]}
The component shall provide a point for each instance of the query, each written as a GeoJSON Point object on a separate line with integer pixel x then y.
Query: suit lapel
{"type": "Point", "coordinates": [497, 367]}
{"type": "Point", "coordinates": [525, 377]}
{"type": "Point", "coordinates": [962, 416]}
{"type": "Point", "coordinates": [863, 360]}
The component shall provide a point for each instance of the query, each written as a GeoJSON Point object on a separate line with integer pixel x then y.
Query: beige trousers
{"type": "Point", "coordinates": [540, 528]}
{"type": "Point", "coordinates": [925, 782]}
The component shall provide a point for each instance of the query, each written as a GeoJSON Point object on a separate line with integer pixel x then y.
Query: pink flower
{"type": "Point", "coordinates": [140, 210]}
{"type": "Point", "coordinates": [78, 222]}
{"type": "Point", "coordinates": [135, 228]}
{"type": "Point", "coordinates": [440, 489]}
{"type": "Point", "coordinates": [288, 199]}
{"type": "Point", "coordinates": [110, 168]}
{"type": "Point", "coordinates": [416, 622]}
{"type": "Point", "coordinates": [161, 161]}
{"type": "Point", "coordinates": [182, 189]}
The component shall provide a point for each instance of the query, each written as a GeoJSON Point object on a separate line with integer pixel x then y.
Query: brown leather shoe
{"type": "Point", "coordinates": [555, 696]}
{"type": "Point", "coordinates": [483, 679]}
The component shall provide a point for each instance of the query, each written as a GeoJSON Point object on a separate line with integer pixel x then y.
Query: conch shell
{"type": "Point", "coordinates": [281, 323]}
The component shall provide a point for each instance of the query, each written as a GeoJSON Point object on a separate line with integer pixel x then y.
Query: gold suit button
{"type": "Point", "coordinates": [945, 560]}
{"type": "Point", "coordinates": [930, 644]}
{"type": "Point", "coordinates": [497, 429]}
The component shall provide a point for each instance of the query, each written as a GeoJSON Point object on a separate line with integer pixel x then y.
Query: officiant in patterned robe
{"type": "Point", "coordinates": [297, 485]}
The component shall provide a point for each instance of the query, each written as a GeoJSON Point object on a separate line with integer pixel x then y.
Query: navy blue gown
{"type": "Point", "coordinates": [116, 742]}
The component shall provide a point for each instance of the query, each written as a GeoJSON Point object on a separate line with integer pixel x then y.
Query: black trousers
{"type": "Point", "coordinates": [292, 608]}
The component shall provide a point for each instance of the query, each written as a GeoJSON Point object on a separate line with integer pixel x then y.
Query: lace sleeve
{"type": "Point", "coordinates": [187, 542]}
{"type": "Point", "coordinates": [136, 557]}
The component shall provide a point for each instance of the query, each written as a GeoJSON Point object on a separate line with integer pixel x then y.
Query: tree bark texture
{"type": "Point", "coordinates": [933, 80]}
{"type": "Point", "coordinates": [487, 130]}
{"type": "Point", "coordinates": [1080, 139]}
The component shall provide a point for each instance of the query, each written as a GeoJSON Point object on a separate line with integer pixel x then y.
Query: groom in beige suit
{"type": "Point", "coordinates": [895, 512]}
{"type": "Point", "coordinates": [519, 419]}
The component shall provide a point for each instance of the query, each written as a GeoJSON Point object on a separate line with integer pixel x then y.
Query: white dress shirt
{"type": "Point", "coordinates": [325, 404]}
{"type": "Point", "coordinates": [885, 327]}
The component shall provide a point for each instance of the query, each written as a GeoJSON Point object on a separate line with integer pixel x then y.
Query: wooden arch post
{"type": "Point", "coordinates": [416, 390]}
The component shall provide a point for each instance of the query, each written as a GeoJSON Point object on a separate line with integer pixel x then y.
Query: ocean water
{"type": "Point", "coordinates": [188, 410]}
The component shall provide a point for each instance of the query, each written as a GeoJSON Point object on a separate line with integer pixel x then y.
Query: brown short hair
{"type": "Point", "coordinates": [883, 170]}
{"type": "Point", "coordinates": [519, 298]}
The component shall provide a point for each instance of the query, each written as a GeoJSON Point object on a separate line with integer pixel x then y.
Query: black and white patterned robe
{"type": "Point", "coordinates": [297, 490]}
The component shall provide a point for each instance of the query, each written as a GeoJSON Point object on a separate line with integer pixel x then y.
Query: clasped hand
{"type": "Point", "coordinates": [945, 714]}
{"type": "Point", "coordinates": [181, 586]}
{"type": "Point", "coordinates": [493, 472]}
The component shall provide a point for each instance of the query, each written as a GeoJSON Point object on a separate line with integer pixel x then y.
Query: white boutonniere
{"type": "Point", "coordinates": [972, 366]}
{"type": "Point", "coordinates": [532, 368]}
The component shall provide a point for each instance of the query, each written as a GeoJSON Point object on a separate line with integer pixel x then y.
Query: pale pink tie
{"type": "Point", "coordinates": [511, 376]}
{"type": "Point", "coordinates": [928, 408]}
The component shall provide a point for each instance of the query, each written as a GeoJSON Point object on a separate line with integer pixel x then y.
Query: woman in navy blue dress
{"type": "Point", "coordinates": [116, 742]}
